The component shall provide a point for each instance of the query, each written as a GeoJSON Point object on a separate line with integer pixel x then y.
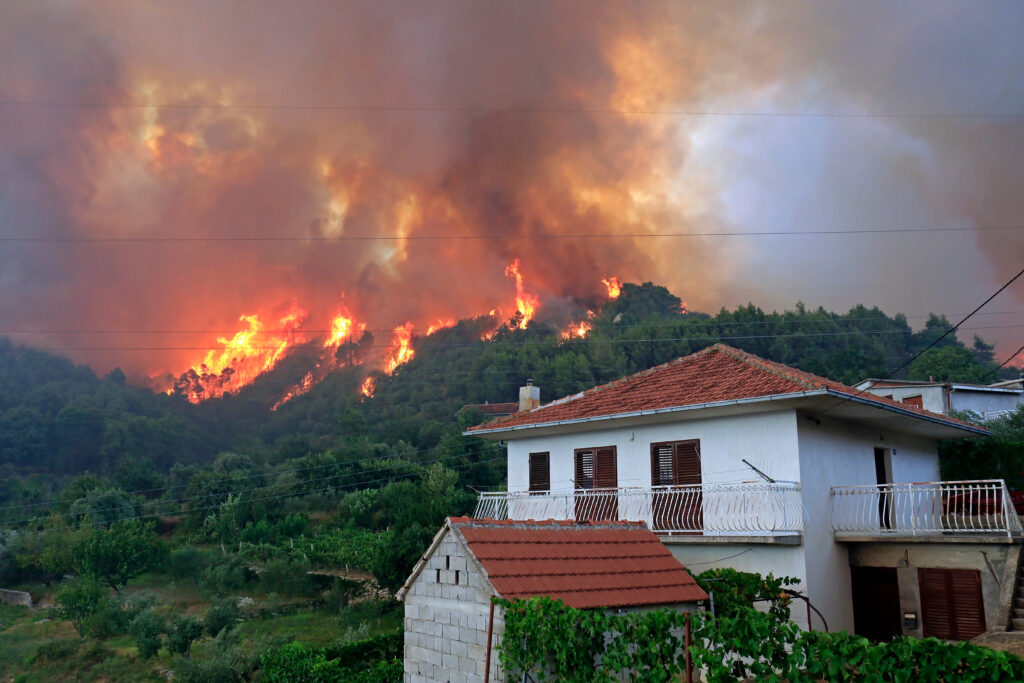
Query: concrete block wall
{"type": "Point", "coordinates": [446, 620]}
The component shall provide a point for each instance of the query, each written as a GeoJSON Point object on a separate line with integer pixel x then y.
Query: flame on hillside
{"type": "Point", "coordinates": [612, 285]}
{"type": "Point", "coordinates": [401, 350]}
{"type": "Point", "coordinates": [440, 325]}
{"type": "Point", "coordinates": [368, 387]}
{"type": "Point", "coordinates": [245, 356]}
{"type": "Point", "coordinates": [577, 330]}
{"type": "Point", "coordinates": [526, 303]}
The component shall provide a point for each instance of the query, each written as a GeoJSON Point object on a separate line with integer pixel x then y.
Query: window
{"type": "Point", "coordinates": [597, 477]}
{"type": "Point", "coordinates": [915, 401]}
{"type": "Point", "coordinates": [540, 472]}
{"type": "Point", "coordinates": [678, 509]}
{"type": "Point", "coordinates": [951, 603]}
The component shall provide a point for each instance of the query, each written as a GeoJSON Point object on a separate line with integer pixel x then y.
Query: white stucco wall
{"type": "Point", "coordinates": [985, 402]}
{"type": "Point", "coordinates": [767, 440]}
{"type": "Point", "coordinates": [839, 453]}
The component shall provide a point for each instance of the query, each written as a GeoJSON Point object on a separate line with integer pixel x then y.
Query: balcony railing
{"type": "Point", "coordinates": [921, 509]}
{"type": "Point", "coordinates": [710, 509]}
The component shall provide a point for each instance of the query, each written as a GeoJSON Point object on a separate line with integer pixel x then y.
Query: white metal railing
{"type": "Point", "coordinates": [938, 508]}
{"type": "Point", "coordinates": [715, 509]}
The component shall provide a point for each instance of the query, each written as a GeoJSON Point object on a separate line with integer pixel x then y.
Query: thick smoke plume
{"type": "Point", "coordinates": [505, 125]}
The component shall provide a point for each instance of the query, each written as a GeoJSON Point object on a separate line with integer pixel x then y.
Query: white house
{"type": "Point", "coordinates": [452, 630]}
{"type": "Point", "coordinates": [736, 461]}
{"type": "Point", "coordinates": [985, 400]}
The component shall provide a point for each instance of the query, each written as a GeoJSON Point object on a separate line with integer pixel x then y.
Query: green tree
{"type": "Point", "coordinates": [147, 628]}
{"type": "Point", "coordinates": [181, 632]}
{"type": "Point", "coordinates": [948, 364]}
{"type": "Point", "coordinates": [115, 555]}
{"type": "Point", "coordinates": [80, 599]}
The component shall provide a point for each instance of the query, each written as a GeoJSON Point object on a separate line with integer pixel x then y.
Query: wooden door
{"type": "Point", "coordinates": [597, 482]}
{"type": "Point", "coordinates": [876, 603]}
{"type": "Point", "coordinates": [676, 465]}
{"type": "Point", "coordinates": [951, 604]}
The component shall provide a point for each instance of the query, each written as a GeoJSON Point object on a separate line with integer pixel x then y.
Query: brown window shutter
{"type": "Point", "coordinates": [936, 619]}
{"type": "Point", "coordinates": [687, 463]}
{"type": "Point", "coordinates": [606, 470]}
{"type": "Point", "coordinates": [967, 603]}
{"type": "Point", "coordinates": [540, 471]}
{"type": "Point", "coordinates": [916, 401]}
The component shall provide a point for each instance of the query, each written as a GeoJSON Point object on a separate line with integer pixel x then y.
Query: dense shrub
{"type": "Point", "coordinates": [223, 614]}
{"type": "Point", "coordinates": [181, 632]}
{"type": "Point", "coordinates": [290, 577]}
{"type": "Point", "coordinates": [188, 562]}
{"type": "Point", "coordinates": [146, 629]}
{"type": "Point", "coordinates": [228, 575]}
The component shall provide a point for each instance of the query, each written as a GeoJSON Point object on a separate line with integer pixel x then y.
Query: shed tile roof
{"type": "Point", "coordinates": [716, 374]}
{"type": "Point", "coordinates": [586, 565]}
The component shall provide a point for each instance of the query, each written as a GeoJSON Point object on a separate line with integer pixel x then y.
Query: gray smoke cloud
{"type": "Point", "coordinates": [408, 118]}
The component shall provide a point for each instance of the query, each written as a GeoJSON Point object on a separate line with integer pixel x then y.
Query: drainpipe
{"type": "Point", "coordinates": [487, 660]}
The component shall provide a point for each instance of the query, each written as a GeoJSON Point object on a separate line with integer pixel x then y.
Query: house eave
{"type": "Point", "coordinates": [817, 393]}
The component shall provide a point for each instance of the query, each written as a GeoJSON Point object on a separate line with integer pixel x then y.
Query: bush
{"type": "Point", "coordinates": [188, 562]}
{"type": "Point", "coordinates": [223, 668]}
{"type": "Point", "coordinates": [146, 629]}
{"type": "Point", "coordinates": [79, 600]}
{"type": "Point", "coordinates": [222, 615]}
{"type": "Point", "coordinates": [290, 577]}
{"type": "Point", "coordinates": [56, 651]}
{"type": "Point", "coordinates": [109, 620]}
{"type": "Point", "coordinates": [226, 576]}
{"type": "Point", "coordinates": [180, 634]}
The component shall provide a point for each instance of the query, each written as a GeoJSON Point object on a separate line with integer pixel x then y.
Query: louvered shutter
{"type": "Point", "coordinates": [606, 470]}
{"type": "Point", "coordinates": [540, 472]}
{"type": "Point", "coordinates": [935, 617]}
{"type": "Point", "coordinates": [686, 463]}
{"type": "Point", "coordinates": [968, 607]}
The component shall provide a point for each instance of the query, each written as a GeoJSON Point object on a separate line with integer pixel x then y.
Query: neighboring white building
{"type": "Point", "coordinates": [985, 400]}
{"type": "Point", "coordinates": [452, 630]}
{"type": "Point", "coordinates": [736, 461]}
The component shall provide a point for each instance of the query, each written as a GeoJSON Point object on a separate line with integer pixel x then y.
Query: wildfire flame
{"type": "Point", "coordinates": [579, 330]}
{"type": "Point", "coordinates": [342, 328]}
{"type": "Point", "coordinates": [369, 386]}
{"type": "Point", "coordinates": [246, 355]}
{"type": "Point", "coordinates": [440, 325]}
{"type": "Point", "coordinates": [302, 387]}
{"type": "Point", "coordinates": [401, 352]}
{"type": "Point", "coordinates": [526, 303]}
{"type": "Point", "coordinates": [613, 286]}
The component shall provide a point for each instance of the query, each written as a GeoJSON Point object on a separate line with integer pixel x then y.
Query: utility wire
{"type": "Point", "coordinates": [507, 238]}
{"type": "Point", "coordinates": [1005, 362]}
{"type": "Point", "coordinates": [219, 480]}
{"type": "Point", "coordinates": [861, 392]}
{"type": "Point", "coordinates": [294, 494]}
{"type": "Point", "coordinates": [549, 342]}
{"type": "Point", "coordinates": [496, 109]}
{"type": "Point", "coordinates": [180, 501]}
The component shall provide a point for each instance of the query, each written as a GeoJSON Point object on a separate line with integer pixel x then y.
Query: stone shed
{"type": "Point", "coordinates": [451, 630]}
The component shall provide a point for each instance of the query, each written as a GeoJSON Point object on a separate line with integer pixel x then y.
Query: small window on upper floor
{"type": "Point", "coordinates": [540, 472]}
{"type": "Point", "coordinates": [915, 401]}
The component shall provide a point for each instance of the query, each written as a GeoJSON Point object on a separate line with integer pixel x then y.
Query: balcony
{"type": "Point", "coordinates": [931, 509]}
{"type": "Point", "coordinates": [746, 509]}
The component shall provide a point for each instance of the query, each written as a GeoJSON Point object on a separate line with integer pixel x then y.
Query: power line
{"type": "Point", "coordinates": [485, 109]}
{"type": "Point", "coordinates": [683, 322]}
{"type": "Point", "coordinates": [548, 342]}
{"type": "Point", "coordinates": [287, 495]}
{"type": "Point", "coordinates": [506, 238]}
{"type": "Point", "coordinates": [945, 334]}
{"type": "Point", "coordinates": [1005, 362]}
{"type": "Point", "coordinates": [216, 480]}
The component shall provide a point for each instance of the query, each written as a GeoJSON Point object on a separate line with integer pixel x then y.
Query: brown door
{"type": "Point", "coordinates": [676, 465]}
{"type": "Point", "coordinates": [597, 482]}
{"type": "Point", "coordinates": [951, 603]}
{"type": "Point", "coordinates": [876, 603]}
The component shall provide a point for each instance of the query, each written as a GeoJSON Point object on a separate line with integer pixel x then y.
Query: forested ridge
{"type": "Point", "coordinates": [129, 491]}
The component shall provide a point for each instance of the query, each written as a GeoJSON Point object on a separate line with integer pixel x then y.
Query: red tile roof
{"type": "Point", "coordinates": [718, 373]}
{"type": "Point", "coordinates": [596, 564]}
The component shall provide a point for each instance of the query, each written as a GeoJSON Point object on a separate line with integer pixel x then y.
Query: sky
{"type": "Point", "coordinates": [144, 145]}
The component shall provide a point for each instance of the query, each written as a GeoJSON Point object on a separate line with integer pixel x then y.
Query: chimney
{"type": "Point", "coordinates": [529, 396]}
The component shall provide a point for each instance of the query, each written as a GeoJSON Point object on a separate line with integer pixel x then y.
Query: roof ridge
{"type": "Point", "coordinates": [770, 366]}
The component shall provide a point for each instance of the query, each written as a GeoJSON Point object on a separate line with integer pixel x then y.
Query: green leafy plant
{"type": "Point", "coordinates": [146, 629]}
